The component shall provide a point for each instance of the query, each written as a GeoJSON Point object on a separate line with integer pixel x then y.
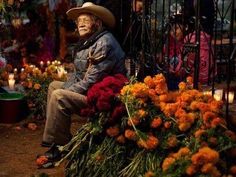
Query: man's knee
{"type": "Point", "coordinates": [58, 94]}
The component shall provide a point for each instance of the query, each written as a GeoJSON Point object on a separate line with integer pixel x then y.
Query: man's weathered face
{"type": "Point", "coordinates": [86, 24]}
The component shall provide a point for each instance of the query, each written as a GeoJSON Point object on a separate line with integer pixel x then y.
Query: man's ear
{"type": "Point", "coordinates": [98, 23]}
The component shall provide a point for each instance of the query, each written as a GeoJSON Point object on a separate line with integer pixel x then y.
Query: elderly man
{"type": "Point", "coordinates": [98, 55]}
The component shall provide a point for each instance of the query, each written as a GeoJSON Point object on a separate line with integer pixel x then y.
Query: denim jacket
{"type": "Point", "coordinates": [104, 57]}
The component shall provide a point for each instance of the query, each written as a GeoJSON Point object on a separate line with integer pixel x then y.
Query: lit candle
{"type": "Point", "coordinates": [206, 92]}
{"type": "Point", "coordinates": [230, 98]}
{"type": "Point", "coordinates": [11, 83]}
{"type": "Point", "coordinates": [60, 71]}
{"type": "Point", "coordinates": [218, 94]}
{"type": "Point", "coordinates": [22, 70]}
{"type": "Point", "coordinates": [15, 70]}
{"type": "Point", "coordinates": [11, 76]}
{"type": "Point", "coordinates": [41, 64]}
{"type": "Point", "coordinates": [48, 63]}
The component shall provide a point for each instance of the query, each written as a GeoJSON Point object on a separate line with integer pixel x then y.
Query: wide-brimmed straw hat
{"type": "Point", "coordinates": [88, 7]}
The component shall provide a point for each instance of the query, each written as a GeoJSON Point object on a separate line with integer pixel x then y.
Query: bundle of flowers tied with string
{"type": "Point", "coordinates": [160, 133]}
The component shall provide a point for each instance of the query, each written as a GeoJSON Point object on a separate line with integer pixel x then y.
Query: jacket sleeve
{"type": "Point", "coordinates": [101, 64]}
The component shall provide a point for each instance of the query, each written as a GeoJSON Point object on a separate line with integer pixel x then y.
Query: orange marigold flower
{"type": "Point", "coordinates": [167, 163]}
{"type": "Point", "coordinates": [139, 90]}
{"type": "Point", "coordinates": [167, 124]}
{"type": "Point", "coordinates": [113, 131]}
{"type": "Point", "coordinates": [216, 121]}
{"type": "Point", "coordinates": [208, 117]}
{"type": "Point", "coordinates": [133, 121]}
{"type": "Point", "coordinates": [152, 93]}
{"type": "Point", "coordinates": [41, 160]}
{"type": "Point", "coordinates": [125, 90]}
{"type": "Point", "coordinates": [172, 141]}
{"type": "Point", "coordinates": [186, 97]}
{"type": "Point", "coordinates": [28, 69]}
{"type": "Point", "coordinates": [37, 72]}
{"type": "Point", "coordinates": [182, 86]}
{"type": "Point", "coordinates": [159, 79]}
{"type": "Point", "coordinates": [194, 105]}
{"type": "Point", "coordinates": [184, 126]}
{"type": "Point", "coordinates": [130, 134]}
{"type": "Point", "coordinates": [180, 113]}
{"type": "Point", "coordinates": [163, 98]}
{"type": "Point", "coordinates": [149, 82]}
{"type": "Point", "coordinates": [216, 106]}
{"type": "Point", "coordinates": [189, 80]}
{"type": "Point", "coordinates": [23, 76]}
{"type": "Point", "coordinates": [184, 151]}
{"type": "Point", "coordinates": [37, 86]}
{"type": "Point", "coordinates": [204, 107]}
{"type": "Point", "coordinates": [191, 170]}
{"type": "Point", "coordinates": [199, 133]}
{"type": "Point", "coordinates": [141, 113]}
{"type": "Point", "coordinates": [30, 84]}
{"type": "Point", "coordinates": [205, 155]}
{"type": "Point", "coordinates": [150, 143]}
{"type": "Point", "coordinates": [121, 139]}
{"type": "Point", "coordinates": [149, 174]}
{"type": "Point", "coordinates": [161, 89]}
{"type": "Point", "coordinates": [156, 122]}
{"type": "Point", "coordinates": [170, 109]}
{"type": "Point", "coordinates": [207, 168]}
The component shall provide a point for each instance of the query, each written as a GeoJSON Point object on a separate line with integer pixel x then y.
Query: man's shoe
{"type": "Point", "coordinates": [53, 154]}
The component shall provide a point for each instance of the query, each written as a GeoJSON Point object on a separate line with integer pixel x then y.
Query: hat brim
{"type": "Point", "coordinates": [104, 14]}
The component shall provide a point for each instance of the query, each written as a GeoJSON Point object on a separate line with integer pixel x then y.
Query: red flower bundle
{"type": "Point", "coordinates": [101, 97]}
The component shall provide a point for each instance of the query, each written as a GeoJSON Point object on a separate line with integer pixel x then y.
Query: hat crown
{"type": "Point", "coordinates": [86, 4]}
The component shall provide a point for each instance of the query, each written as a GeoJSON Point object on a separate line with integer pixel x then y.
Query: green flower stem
{"type": "Point", "coordinates": [72, 151]}
{"type": "Point", "coordinates": [129, 117]}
